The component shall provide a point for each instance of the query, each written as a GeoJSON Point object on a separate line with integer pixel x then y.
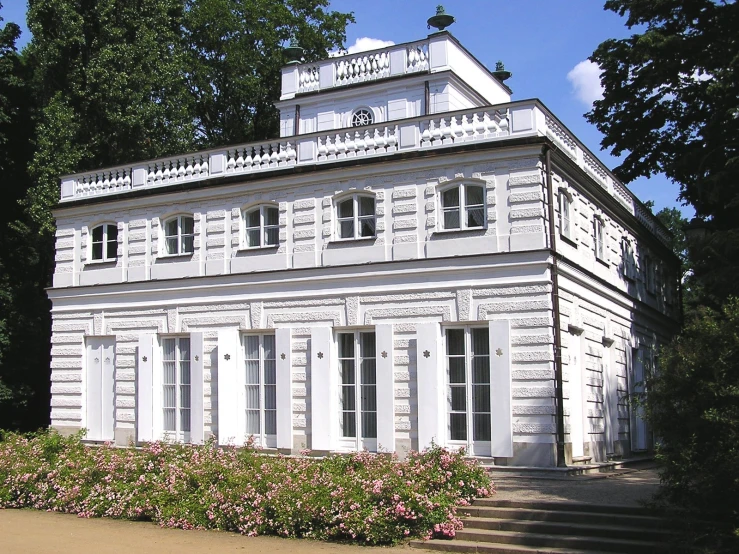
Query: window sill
{"type": "Point", "coordinates": [465, 230]}
{"type": "Point", "coordinates": [602, 261]}
{"type": "Point", "coordinates": [101, 262]}
{"type": "Point", "coordinates": [568, 240]}
{"type": "Point", "coordinates": [358, 239]}
{"type": "Point", "coordinates": [258, 248]}
{"type": "Point", "coordinates": [175, 256]}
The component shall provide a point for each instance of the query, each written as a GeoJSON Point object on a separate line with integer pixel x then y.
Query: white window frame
{"type": "Point", "coordinates": [105, 241]}
{"type": "Point", "coordinates": [367, 109]}
{"type": "Point", "coordinates": [262, 227]}
{"type": "Point", "coordinates": [565, 215]}
{"type": "Point", "coordinates": [462, 208]}
{"type": "Point", "coordinates": [355, 218]}
{"type": "Point", "coordinates": [358, 441]}
{"type": "Point", "coordinates": [180, 236]}
{"type": "Point", "coordinates": [472, 446]}
{"type": "Point", "coordinates": [262, 438]}
{"type": "Point", "coordinates": [599, 236]}
{"type": "Point", "coordinates": [179, 434]}
{"type": "Point", "coordinates": [627, 255]}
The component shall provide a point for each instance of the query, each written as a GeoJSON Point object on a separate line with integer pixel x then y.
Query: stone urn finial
{"type": "Point", "coordinates": [441, 20]}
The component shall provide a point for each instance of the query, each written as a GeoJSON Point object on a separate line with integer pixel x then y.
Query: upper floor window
{"type": "Point", "coordinates": [649, 274]}
{"type": "Point", "coordinates": [355, 217]}
{"type": "Point", "coordinates": [261, 226]}
{"type": "Point", "coordinates": [599, 231]}
{"type": "Point", "coordinates": [627, 255]}
{"type": "Point", "coordinates": [361, 117]}
{"type": "Point", "coordinates": [179, 235]}
{"type": "Point", "coordinates": [463, 207]}
{"type": "Point", "coordinates": [565, 209]}
{"type": "Point", "coordinates": [105, 243]}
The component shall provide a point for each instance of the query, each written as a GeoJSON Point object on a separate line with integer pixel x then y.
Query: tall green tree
{"type": "Point", "coordinates": [235, 52]}
{"type": "Point", "coordinates": [671, 105]}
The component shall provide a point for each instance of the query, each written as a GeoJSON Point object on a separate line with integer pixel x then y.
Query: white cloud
{"type": "Point", "coordinates": [363, 44]}
{"type": "Point", "coordinates": [585, 79]}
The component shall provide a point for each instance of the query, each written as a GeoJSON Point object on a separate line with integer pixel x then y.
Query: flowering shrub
{"type": "Point", "coordinates": [375, 499]}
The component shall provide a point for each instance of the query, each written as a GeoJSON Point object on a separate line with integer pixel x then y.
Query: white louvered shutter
{"type": "Point", "coordinates": [385, 388]}
{"type": "Point", "coordinates": [500, 389]}
{"type": "Point", "coordinates": [284, 387]}
{"type": "Point", "coordinates": [324, 390]}
{"type": "Point", "coordinates": [430, 385]}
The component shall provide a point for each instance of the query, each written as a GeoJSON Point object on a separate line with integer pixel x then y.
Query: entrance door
{"type": "Point", "coordinates": [468, 389]}
{"type": "Point", "coordinates": [577, 431]}
{"type": "Point", "coordinates": [639, 425]}
{"type": "Point", "coordinates": [100, 386]}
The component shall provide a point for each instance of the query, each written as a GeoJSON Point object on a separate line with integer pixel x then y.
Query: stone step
{"type": "Point", "coordinates": [611, 530]}
{"type": "Point", "coordinates": [562, 516]}
{"type": "Point", "coordinates": [565, 506]}
{"type": "Point", "coordinates": [562, 541]}
{"type": "Point", "coordinates": [482, 548]}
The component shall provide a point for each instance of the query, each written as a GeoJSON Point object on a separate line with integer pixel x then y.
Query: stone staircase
{"type": "Point", "coordinates": [516, 527]}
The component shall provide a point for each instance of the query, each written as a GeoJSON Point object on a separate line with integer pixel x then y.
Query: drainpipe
{"type": "Point", "coordinates": [559, 397]}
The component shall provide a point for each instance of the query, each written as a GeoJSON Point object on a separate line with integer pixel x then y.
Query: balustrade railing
{"type": "Point", "coordinates": [452, 129]}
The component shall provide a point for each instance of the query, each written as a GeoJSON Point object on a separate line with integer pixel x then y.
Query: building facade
{"type": "Point", "coordinates": [415, 259]}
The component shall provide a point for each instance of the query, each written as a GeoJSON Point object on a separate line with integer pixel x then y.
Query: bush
{"type": "Point", "coordinates": [375, 499]}
{"type": "Point", "coordinates": [693, 404]}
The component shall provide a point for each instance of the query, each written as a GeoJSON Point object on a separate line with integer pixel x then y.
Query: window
{"type": "Point", "coordinates": [355, 217]}
{"type": "Point", "coordinates": [468, 378]}
{"type": "Point", "coordinates": [463, 207]}
{"type": "Point", "coordinates": [261, 226]}
{"type": "Point", "coordinates": [649, 274]}
{"type": "Point", "coordinates": [599, 238]}
{"type": "Point", "coordinates": [627, 255]}
{"type": "Point", "coordinates": [105, 243]}
{"type": "Point", "coordinates": [179, 235]}
{"type": "Point", "coordinates": [565, 205]}
{"type": "Point", "coordinates": [361, 117]}
{"type": "Point", "coordinates": [261, 388]}
{"type": "Point", "coordinates": [358, 381]}
{"type": "Point", "coordinates": [176, 386]}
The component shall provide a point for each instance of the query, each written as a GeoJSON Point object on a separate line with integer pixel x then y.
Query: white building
{"type": "Point", "coordinates": [416, 258]}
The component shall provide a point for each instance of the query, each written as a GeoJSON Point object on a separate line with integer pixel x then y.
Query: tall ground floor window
{"type": "Point", "coordinates": [468, 387]}
{"type": "Point", "coordinates": [176, 387]}
{"type": "Point", "coordinates": [358, 383]}
{"type": "Point", "coordinates": [261, 388]}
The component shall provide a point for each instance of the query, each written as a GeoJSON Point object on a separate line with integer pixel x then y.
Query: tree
{"type": "Point", "coordinates": [235, 52]}
{"type": "Point", "coordinates": [670, 104]}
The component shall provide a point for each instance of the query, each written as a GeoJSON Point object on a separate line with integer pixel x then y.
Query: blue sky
{"type": "Point", "coordinates": [540, 41]}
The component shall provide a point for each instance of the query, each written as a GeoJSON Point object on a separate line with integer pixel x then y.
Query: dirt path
{"type": "Point", "coordinates": [33, 532]}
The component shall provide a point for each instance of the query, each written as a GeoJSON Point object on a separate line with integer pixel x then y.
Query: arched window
{"type": "Point", "coordinates": [104, 243]}
{"type": "Point", "coordinates": [565, 215]}
{"type": "Point", "coordinates": [355, 217]}
{"type": "Point", "coordinates": [463, 207]}
{"type": "Point", "coordinates": [179, 235]}
{"type": "Point", "coordinates": [261, 226]}
{"type": "Point", "coordinates": [361, 117]}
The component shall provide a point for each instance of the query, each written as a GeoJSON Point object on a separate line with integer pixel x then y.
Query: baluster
{"type": "Point", "coordinates": [350, 146]}
{"type": "Point", "coordinates": [467, 127]}
{"type": "Point", "coordinates": [322, 150]}
{"type": "Point", "coordinates": [503, 124]}
{"type": "Point", "coordinates": [426, 135]}
{"type": "Point", "coordinates": [106, 182]}
{"type": "Point", "coordinates": [282, 156]}
{"type": "Point", "coordinates": [331, 148]}
{"type": "Point", "coordinates": [274, 159]}
{"type": "Point", "coordinates": [188, 167]}
{"type": "Point", "coordinates": [380, 139]}
{"type": "Point", "coordinates": [435, 133]}
{"type": "Point", "coordinates": [158, 174]}
{"type": "Point", "coordinates": [127, 179]}
{"type": "Point", "coordinates": [231, 163]}
{"type": "Point", "coordinates": [265, 155]}
{"type": "Point", "coordinates": [340, 147]}
{"type": "Point", "coordinates": [196, 167]}
{"type": "Point", "coordinates": [239, 163]}
{"type": "Point", "coordinates": [165, 172]}
{"type": "Point", "coordinates": [369, 142]}
{"type": "Point", "coordinates": [118, 179]}
{"type": "Point", "coordinates": [252, 157]}
{"type": "Point", "coordinates": [291, 154]}
{"type": "Point", "coordinates": [204, 166]}
{"type": "Point", "coordinates": [359, 143]}
{"type": "Point", "coordinates": [392, 138]}
{"type": "Point", "coordinates": [446, 132]}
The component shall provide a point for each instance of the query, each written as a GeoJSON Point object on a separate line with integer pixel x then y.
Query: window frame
{"type": "Point", "coordinates": [179, 236]}
{"type": "Point", "coordinates": [262, 438]}
{"type": "Point", "coordinates": [471, 445]}
{"type": "Point", "coordinates": [628, 259]}
{"type": "Point", "coordinates": [355, 111]}
{"type": "Point", "coordinates": [244, 241]}
{"type": "Point", "coordinates": [566, 199]}
{"type": "Point", "coordinates": [599, 239]}
{"type": "Point", "coordinates": [462, 209]}
{"type": "Point", "coordinates": [105, 243]}
{"type": "Point", "coordinates": [357, 442]}
{"type": "Point", "coordinates": [356, 218]}
{"type": "Point", "coordinates": [179, 434]}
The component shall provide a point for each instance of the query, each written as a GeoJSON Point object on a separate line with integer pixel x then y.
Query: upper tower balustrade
{"type": "Point", "coordinates": [437, 53]}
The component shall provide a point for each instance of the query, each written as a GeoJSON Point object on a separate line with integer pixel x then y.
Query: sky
{"type": "Point", "coordinates": [544, 43]}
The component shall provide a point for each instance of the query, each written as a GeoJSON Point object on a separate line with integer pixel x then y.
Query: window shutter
{"type": "Point", "coordinates": [231, 415]}
{"type": "Point", "coordinates": [385, 388]}
{"type": "Point", "coordinates": [324, 390]}
{"type": "Point", "coordinates": [145, 401]}
{"type": "Point", "coordinates": [283, 348]}
{"type": "Point", "coordinates": [430, 384]}
{"type": "Point", "coordinates": [107, 397]}
{"type": "Point", "coordinates": [93, 384]}
{"type": "Point", "coordinates": [500, 394]}
{"type": "Point", "coordinates": [197, 423]}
